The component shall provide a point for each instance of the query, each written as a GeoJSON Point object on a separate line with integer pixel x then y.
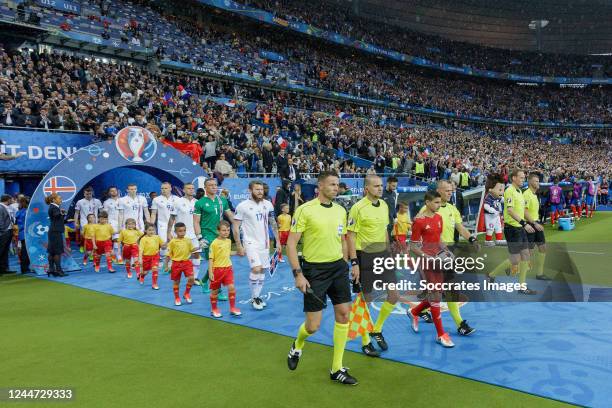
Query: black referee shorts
{"type": "Point", "coordinates": [516, 237]}
{"type": "Point", "coordinates": [367, 275]}
{"type": "Point", "coordinates": [537, 238]}
{"type": "Point", "coordinates": [326, 279]}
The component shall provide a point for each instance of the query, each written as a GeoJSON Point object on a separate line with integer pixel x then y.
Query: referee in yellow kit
{"type": "Point", "coordinates": [321, 224]}
{"type": "Point", "coordinates": [367, 240]}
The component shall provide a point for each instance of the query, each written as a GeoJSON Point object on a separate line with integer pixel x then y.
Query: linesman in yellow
{"type": "Point", "coordinates": [323, 271]}
{"type": "Point", "coordinates": [532, 214]}
{"type": "Point", "coordinates": [452, 221]}
{"type": "Point", "coordinates": [516, 229]}
{"type": "Point", "coordinates": [367, 239]}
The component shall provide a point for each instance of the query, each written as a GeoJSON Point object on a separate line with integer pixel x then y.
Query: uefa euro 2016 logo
{"type": "Point", "coordinates": [136, 144]}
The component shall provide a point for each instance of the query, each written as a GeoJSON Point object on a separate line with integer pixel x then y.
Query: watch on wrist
{"type": "Point", "coordinates": [523, 223]}
{"type": "Point", "coordinates": [354, 261]}
{"type": "Point", "coordinates": [296, 272]}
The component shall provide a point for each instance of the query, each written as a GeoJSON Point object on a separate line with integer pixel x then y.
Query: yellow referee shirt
{"type": "Point", "coordinates": [532, 204]}
{"type": "Point", "coordinates": [129, 237]}
{"type": "Point", "coordinates": [450, 217]}
{"type": "Point", "coordinates": [369, 223]}
{"type": "Point", "coordinates": [179, 249]}
{"type": "Point", "coordinates": [219, 251]}
{"type": "Point", "coordinates": [284, 222]}
{"type": "Point", "coordinates": [104, 232]}
{"type": "Point", "coordinates": [322, 228]}
{"type": "Point", "coordinates": [150, 245]}
{"type": "Point", "coordinates": [513, 198]}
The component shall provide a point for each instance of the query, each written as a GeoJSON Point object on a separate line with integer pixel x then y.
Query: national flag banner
{"type": "Point", "coordinates": [183, 92]}
{"type": "Point", "coordinates": [168, 101]}
{"type": "Point", "coordinates": [282, 142]}
{"type": "Point", "coordinates": [274, 261]}
{"type": "Point", "coordinates": [360, 321]}
{"type": "Point", "coordinates": [193, 150]}
{"type": "Point", "coordinates": [343, 115]}
{"type": "Point", "coordinates": [231, 103]}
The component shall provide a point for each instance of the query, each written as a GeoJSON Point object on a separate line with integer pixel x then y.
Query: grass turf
{"type": "Point", "coordinates": [117, 353]}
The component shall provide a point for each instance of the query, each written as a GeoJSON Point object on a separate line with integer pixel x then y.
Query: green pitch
{"type": "Point", "coordinates": [116, 352]}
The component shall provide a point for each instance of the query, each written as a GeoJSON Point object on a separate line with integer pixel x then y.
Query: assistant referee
{"type": "Point", "coordinates": [367, 240]}
{"type": "Point", "coordinates": [516, 229]}
{"type": "Point", "coordinates": [321, 224]}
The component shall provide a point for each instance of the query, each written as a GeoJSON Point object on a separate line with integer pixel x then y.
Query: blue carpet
{"type": "Point", "coordinates": [555, 350]}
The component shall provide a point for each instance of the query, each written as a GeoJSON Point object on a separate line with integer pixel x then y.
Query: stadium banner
{"type": "Point", "coordinates": [239, 187]}
{"type": "Point", "coordinates": [97, 40]}
{"type": "Point", "coordinates": [64, 6]}
{"type": "Point", "coordinates": [40, 150]}
{"type": "Point", "coordinates": [289, 86]}
{"type": "Point", "coordinates": [272, 56]}
{"type": "Point", "coordinates": [269, 18]}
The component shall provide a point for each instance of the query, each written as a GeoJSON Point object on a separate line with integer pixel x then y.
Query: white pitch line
{"type": "Point", "coordinates": [587, 253]}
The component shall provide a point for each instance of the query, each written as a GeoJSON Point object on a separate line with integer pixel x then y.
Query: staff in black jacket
{"type": "Point", "coordinates": [55, 248]}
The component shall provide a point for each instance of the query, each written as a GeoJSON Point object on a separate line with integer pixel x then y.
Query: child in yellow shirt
{"type": "Point", "coordinates": [401, 227]}
{"type": "Point", "coordinates": [129, 238]}
{"type": "Point", "coordinates": [220, 270]}
{"type": "Point", "coordinates": [103, 243]}
{"type": "Point", "coordinates": [148, 254]}
{"type": "Point", "coordinates": [284, 225]}
{"type": "Point", "coordinates": [89, 230]}
{"type": "Point", "coordinates": [179, 251]}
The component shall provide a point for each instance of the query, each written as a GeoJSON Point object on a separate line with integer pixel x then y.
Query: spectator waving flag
{"type": "Point", "coordinates": [183, 92]}
{"type": "Point", "coordinates": [343, 115]}
{"type": "Point", "coordinates": [274, 261]}
{"type": "Point", "coordinates": [282, 142]}
{"type": "Point", "coordinates": [168, 101]}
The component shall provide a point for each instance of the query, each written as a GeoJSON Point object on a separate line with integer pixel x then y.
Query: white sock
{"type": "Point", "coordinates": [196, 267]}
{"type": "Point", "coordinates": [260, 282]}
{"type": "Point", "coordinates": [253, 284]}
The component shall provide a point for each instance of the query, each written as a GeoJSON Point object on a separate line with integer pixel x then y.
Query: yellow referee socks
{"type": "Point", "coordinates": [301, 337]}
{"type": "Point", "coordinates": [365, 339]}
{"type": "Point", "coordinates": [340, 335]}
{"type": "Point", "coordinates": [500, 268]}
{"type": "Point", "coordinates": [523, 268]}
{"type": "Point", "coordinates": [453, 309]}
{"type": "Point", "coordinates": [385, 311]}
{"type": "Point", "coordinates": [538, 263]}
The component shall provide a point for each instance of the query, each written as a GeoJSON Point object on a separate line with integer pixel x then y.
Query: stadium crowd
{"type": "Point", "coordinates": [233, 45]}
{"type": "Point", "coordinates": [334, 17]}
{"type": "Point", "coordinates": [277, 132]}
{"type": "Point", "coordinates": [324, 66]}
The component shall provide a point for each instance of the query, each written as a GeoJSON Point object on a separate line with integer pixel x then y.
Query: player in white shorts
{"type": "Point", "coordinates": [111, 206]}
{"type": "Point", "coordinates": [161, 209]}
{"type": "Point", "coordinates": [84, 207]}
{"type": "Point", "coordinates": [253, 216]}
{"type": "Point", "coordinates": [183, 212]}
{"type": "Point", "coordinates": [135, 207]}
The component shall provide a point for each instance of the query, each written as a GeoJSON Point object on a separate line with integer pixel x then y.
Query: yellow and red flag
{"type": "Point", "coordinates": [360, 321]}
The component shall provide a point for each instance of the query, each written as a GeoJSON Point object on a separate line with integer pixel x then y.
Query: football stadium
{"type": "Point", "coordinates": [305, 203]}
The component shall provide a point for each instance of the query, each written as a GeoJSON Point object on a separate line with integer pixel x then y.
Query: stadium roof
{"type": "Point", "coordinates": [575, 26]}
